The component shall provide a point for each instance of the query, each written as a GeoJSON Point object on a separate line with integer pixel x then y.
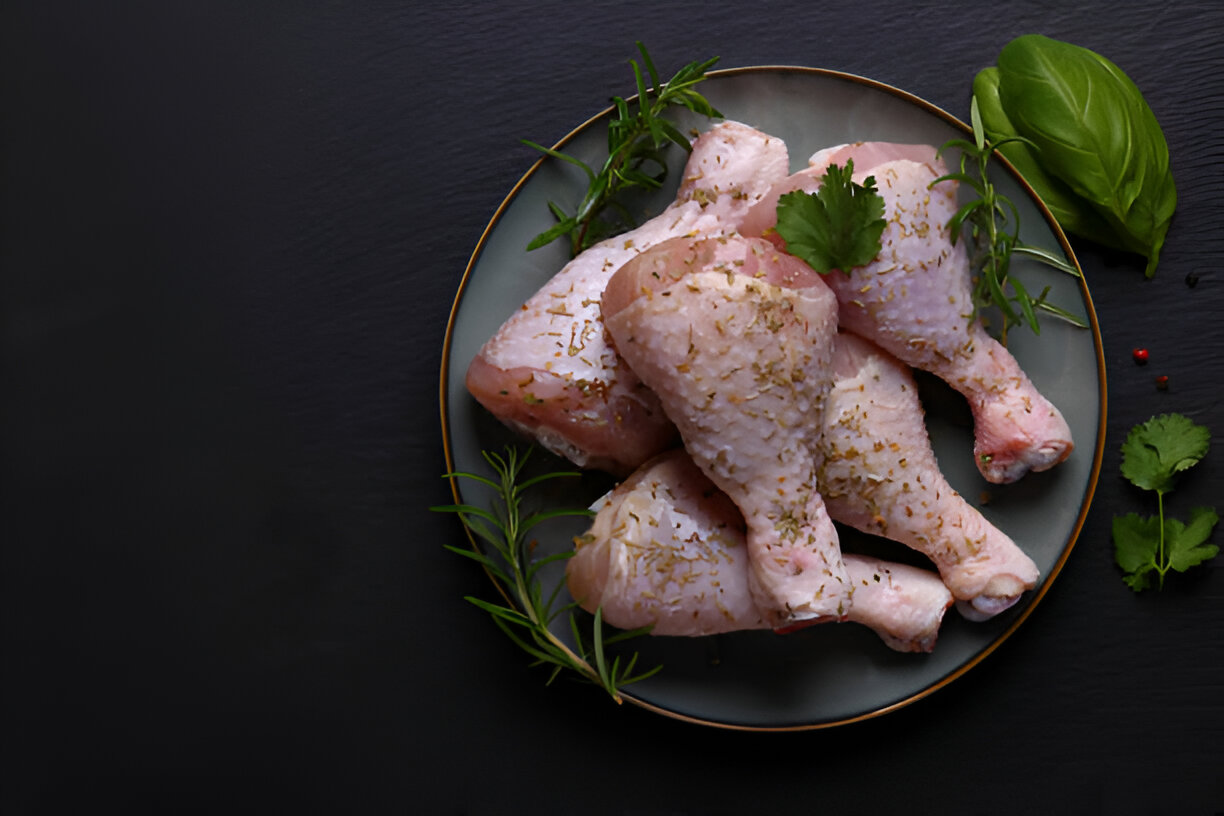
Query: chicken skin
{"type": "Point", "coordinates": [735, 337]}
{"type": "Point", "coordinates": [880, 476]}
{"type": "Point", "coordinates": [667, 549]}
{"type": "Point", "coordinates": [551, 372]}
{"type": "Point", "coordinates": [915, 300]}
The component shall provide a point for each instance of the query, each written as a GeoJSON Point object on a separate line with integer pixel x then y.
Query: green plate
{"type": "Point", "coordinates": [833, 674]}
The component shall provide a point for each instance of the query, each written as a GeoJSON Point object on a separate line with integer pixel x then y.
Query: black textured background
{"type": "Point", "coordinates": [230, 236]}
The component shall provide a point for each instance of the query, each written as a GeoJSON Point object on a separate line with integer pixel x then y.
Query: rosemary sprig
{"type": "Point", "coordinates": [992, 224]}
{"type": "Point", "coordinates": [637, 137]}
{"type": "Point", "coordinates": [530, 612]}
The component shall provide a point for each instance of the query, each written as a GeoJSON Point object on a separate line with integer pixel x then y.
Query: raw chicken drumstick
{"type": "Point", "coordinates": [915, 300]}
{"type": "Point", "coordinates": [880, 476]}
{"type": "Point", "coordinates": [550, 370]}
{"type": "Point", "coordinates": [667, 549]}
{"type": "Point", "coordinates": [735, 336]}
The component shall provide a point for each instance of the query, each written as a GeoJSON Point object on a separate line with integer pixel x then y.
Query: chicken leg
{"type": "Point", "coordinates": [735, 336]}
{"type": "Point", "coordinates": [667, 549]}
{"type": "Point", "coordinates": [880, 476]}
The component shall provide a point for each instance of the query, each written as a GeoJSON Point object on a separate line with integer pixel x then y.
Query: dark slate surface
{"type": "Point", "coordinates": [230, 236]}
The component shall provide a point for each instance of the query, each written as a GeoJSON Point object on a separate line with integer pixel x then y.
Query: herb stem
{"type": "Point", "coordinates": [997, 265]}
{"type": "Point", "coordinates": [1162, 565]}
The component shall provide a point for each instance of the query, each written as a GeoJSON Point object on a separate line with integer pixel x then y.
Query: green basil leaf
{"type": "Point", "coordinates": [1095, 132]}
{"type": "Point", "coordinates": [1073, 214]}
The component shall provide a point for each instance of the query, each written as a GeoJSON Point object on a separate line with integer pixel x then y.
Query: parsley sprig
{"type": "Point", "coordinates": [529, 612]}
{"type": "Point", "coordinates": [991, 223]}
{"type": "Point", "coordinates": [838, 226]}
{"type": "Point", "coordinates": [637, 138]}
{"type": "Point", "coordinates": [1154, 454]}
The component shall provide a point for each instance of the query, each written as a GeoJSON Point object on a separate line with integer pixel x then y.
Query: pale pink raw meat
{"type": "Point", "coordinates": [551, 372]}
{"type": "Point", "coordinates": [667, 549]}
{"type": "Point", "coordinates": [880, 476]}
{"type": "Point", "coordinates": [735, 336]}
{"type": "Point", "coordinates": [915, 300]}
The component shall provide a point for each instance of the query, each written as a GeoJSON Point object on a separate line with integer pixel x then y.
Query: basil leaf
{"type": "Point", "coordinates": [1073, 214]}
{"type": "Point", "coordinates": [1095, 132]}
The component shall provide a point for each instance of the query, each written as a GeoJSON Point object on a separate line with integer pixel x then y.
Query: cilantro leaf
{"type": "Point", "coordinates": [1186, 543]}
{"type": "Point", "coordinates": [838, 226]}
{"type": "Point", "coordinates": [1157, 450]}
{"type": "Point", "coordinates": [1135, 543]}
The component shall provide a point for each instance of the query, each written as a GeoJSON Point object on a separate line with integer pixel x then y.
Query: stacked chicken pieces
{"type": "Point", "coordinates": [792, 396]}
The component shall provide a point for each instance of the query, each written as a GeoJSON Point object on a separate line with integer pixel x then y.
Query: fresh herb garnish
{"type": "Point", "coordinates": [530, 612]}
{"type": "Point", "coordinates": [1092, 147]}
{"type": "Point", "coordinates": [637, 138]}
{"type": "Point", "coordinates": [838, 226]}
{"type": "Point", "coordinates": [991, 223]}
{"type": "Point", "coordinates": [1154, 453]}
